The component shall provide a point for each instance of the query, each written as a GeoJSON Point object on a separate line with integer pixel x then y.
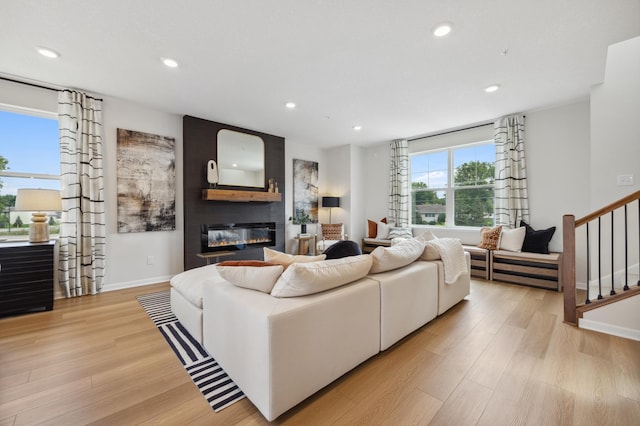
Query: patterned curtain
{"type": "Point", "coordinates": [399, 183]}
{"type": "Point", "coordinates": [82, 230]}
{"type": "Point", "coordinates": [511, 202]}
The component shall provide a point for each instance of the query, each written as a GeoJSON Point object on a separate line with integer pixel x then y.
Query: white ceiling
{"type": "Point", "coordinates": [373, 63]}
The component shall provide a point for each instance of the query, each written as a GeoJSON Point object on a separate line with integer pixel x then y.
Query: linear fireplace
{"type": "Point", "coordinates": [237, 236]}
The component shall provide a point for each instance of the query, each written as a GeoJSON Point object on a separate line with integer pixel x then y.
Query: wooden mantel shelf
{"type": "Point", "coordinates": [240, 196]}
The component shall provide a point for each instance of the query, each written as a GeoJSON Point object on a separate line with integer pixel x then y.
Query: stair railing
{"type": "Point", "coordinates": [572, 309]}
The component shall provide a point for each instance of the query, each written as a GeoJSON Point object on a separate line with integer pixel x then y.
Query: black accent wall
{"type": "Point", "coordinates": [200, 146]}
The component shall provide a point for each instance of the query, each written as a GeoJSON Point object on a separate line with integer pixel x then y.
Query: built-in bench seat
{"type": "Point", "coordinates": [370, 244]}
{"type": "Point", "coordinates": [532, 269]}
{"type": "Point", "coordinates": [480, 261]}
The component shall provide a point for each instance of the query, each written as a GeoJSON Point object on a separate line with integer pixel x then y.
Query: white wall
{"type": "Point", "coordinates": [557, 149]}
{"type": "Point", "coordinates": [615, 112]}
{"type": "Point", "coordinates": [127, 254]}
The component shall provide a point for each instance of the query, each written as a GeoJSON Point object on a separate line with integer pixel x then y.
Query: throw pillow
{"type": "Point", "coordinates": [426, 235]}
{"type": "Point", "coordinates": [383, 231]}
{"type": "Point", "coordinates": [285, 259]}
{"type": "Point", "coordinates": [512, 239]}
{"type": "Point", "coordinates": [537, 241]}
{"type": "Point", "coordinates": [490, 238]}
{"type": "Point", "coordinates": [331, 231]}
{"type": "Point", "coordinates": [372, 227]}
{"type": "Point", "coordinates": [301, 279]}
{"type": "Point", "coordinates": [396, 232]}
{"type": "Point", "coordinates": [342, 249]}
{"type": "Point", "coordinates": [397, 256]}
{"type": "Point", "coordinates": [251, 274]}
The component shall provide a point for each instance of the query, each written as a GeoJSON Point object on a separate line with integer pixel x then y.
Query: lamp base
{"type": "Point", "coordinates": [39, 228]}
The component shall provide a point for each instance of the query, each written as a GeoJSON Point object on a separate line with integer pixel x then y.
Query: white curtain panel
{"type": "Point", "coordinates": [511, 202]}
{"type": "Point", "coordinates": [399, 183]}
{"type": "Point", "coordinates": [82, 231]}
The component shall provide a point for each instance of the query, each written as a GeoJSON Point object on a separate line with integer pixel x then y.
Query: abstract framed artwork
{"type": "Point", "coordinates": [305, 189]}
{"type": "Point", "coordinates": [146, 174]}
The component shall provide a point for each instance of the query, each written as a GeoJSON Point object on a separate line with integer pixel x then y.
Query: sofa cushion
{"type": "Point", "coordinates": [490, 237]}
{"type": "Point", "coordinates": [397, 256]}
{"type": "Point", "coordinates": [251, 274]}
{"type": "Point", "coordinates": [512, 239]}
{"type": "Point", "coordinates": [342, 249]}
{"type": "Point", "coordinates": [537, 241]}
{"type": "Point", "coordinates": [189, 283]}
{"type": "Point", "coordinates": [286, 259]}
{"type": "Point", "coordinates": [301, 279]}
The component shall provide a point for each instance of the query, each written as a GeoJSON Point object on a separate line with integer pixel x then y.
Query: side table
{"type": "Point", "coordinates": [305, 242]}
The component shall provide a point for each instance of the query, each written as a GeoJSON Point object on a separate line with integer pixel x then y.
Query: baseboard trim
{"type": "Point", "coordinates": [136, 283]}
{"type": "Point", "coordinates": [614, 330]}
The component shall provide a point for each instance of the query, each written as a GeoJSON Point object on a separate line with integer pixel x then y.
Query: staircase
{"type": "Point", "coordinates": [608, 254]}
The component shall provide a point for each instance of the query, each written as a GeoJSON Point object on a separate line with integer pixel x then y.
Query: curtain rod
{"type": "Point", "coordinates": [453, 131]}
{"type": "Point", "coordinates": [450, 131]}
{"type": "Point", "coordinates": [39, 86]}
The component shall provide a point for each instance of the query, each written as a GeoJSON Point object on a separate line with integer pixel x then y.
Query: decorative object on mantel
{"type": "Point", "coordinates": [212, 173]}
{"type": "Point", "coordinates": [146, 173]}
{"type": "Point", "coordinates": [305, 189]}
{"type": "Point", "coordinates": [273, 186]}
{"type": "Point", "coordinates": [38, 201]}
{"type": "Point", "coordinates": [330, 202]}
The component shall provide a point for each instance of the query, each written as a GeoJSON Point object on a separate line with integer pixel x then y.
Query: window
{"type": "Point", "coordinates": [453, 186]}
{"type": "Point", "coordinates": [29, 158]}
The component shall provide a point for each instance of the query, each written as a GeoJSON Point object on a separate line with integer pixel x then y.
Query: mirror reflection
{"type": "Point", "coordinates": [240, 159]}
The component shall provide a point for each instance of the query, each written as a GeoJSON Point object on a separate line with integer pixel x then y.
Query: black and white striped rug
{"type": "Point", "coordinates": [208, 376]}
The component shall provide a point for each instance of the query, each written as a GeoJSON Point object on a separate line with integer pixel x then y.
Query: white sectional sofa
{"type": "Point", "coordinates": [281, 350]}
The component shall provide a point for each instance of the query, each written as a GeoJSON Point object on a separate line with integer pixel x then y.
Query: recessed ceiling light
{"type": "Point", "coordinates": [492, 88]}
{"type": "Point", "coordinates": [356, 127]}
{"type": "Point", "coordinates": [442, 29]}
{"type": "Point", "coordinates": [45, 51]}
{"type": "Point", "coordinates": [171, 63]}
{"type": "Point", "coordinates": [290, 105]}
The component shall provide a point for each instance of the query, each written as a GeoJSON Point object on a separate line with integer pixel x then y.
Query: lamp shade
{"type": "Point", "coordinates": [38, 200]}
{"type": "Point", "coordinates": [330, 201]}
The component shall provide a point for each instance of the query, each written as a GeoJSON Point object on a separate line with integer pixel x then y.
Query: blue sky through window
{"type": "Point", "coordinates": [432, 168]}
{"type": "Point", "coordinates": [30, 143]}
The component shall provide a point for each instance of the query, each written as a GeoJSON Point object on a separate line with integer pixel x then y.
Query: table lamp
{"type": "Point", "coordinates": [38, 201]}
{"type": "Point", "coordinates": [330, 202]}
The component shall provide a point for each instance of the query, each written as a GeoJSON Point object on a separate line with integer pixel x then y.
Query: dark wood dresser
{"type": "Point", "coordinates": [26, 277]}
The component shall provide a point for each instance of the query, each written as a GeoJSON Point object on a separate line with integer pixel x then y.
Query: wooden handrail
{"type": "Point", "coordinates": [608, 209]}
{"type": "Point", "coordinates": [569, 225]}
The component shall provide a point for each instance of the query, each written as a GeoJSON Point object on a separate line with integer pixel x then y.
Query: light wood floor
{"type": "Point", "coordinates": [502, 357]}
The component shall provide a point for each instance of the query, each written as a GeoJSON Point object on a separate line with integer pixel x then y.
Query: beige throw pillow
{"type": "Point", "coordinates": [301, 279]}
{"type": "Point", "coordinates": [251, 274]}
{"type": "Point", "coordinates": [512, 239]}
{"type": "Point", "coordinates": [286, 259]}
{"type": "Point", "coordinates": [397, 256]}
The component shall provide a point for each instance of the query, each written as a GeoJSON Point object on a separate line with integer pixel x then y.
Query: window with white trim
{"type": "Point", "coordinates": [29, 158]}
{"type": "Point", "coordinates": [453, 186]}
